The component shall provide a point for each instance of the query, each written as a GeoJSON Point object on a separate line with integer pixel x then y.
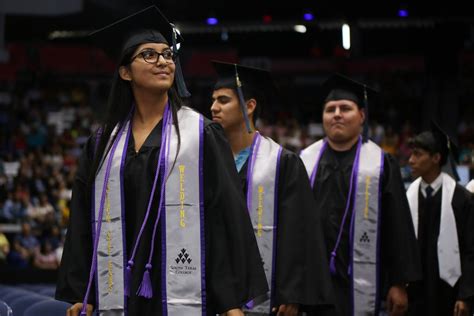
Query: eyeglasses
{"type": "Point", "coordinates": [151, 56]}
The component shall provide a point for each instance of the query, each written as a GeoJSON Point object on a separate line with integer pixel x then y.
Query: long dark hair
{"type": "Point", "coordinates": [119, 104]}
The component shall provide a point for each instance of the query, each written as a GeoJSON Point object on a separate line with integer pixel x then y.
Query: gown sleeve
{"type": "Point", "coordinates": [464, 201]}
{"type": "Point", "coordinates": [302, 272]}
{"type": "Point", "coordinates": [234, 266]}
{"type": "Point", "coordinates": [74, 270]}
{"type": "Point", "coordinates": [400, 256]}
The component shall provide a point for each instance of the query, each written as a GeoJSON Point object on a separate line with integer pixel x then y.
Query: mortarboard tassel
{"type": "Point", "coordinates": [350, 194]}
{"type": "Point", "coordinates": [250, 304]}
{"type": "Point", "coordinates": [242, 101]}
{"type": "Point", "coordinates": [182, 90]}
{"type": "Point", "coordinates": [365, 132]}
{"type": "Point", "coordinates": [128, 277]}
{"type": "Point", "coordinates": [332, 263]}
{"type": "Point", "coordinates": [145, 290]}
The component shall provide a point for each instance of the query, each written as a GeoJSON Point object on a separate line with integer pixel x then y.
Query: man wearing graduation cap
{"type": "Point", "coordinates": [359, 191]}
{"type": "Point", "coordinates": [279, 197]}
{"type": "Point", "coordinates": [152, 229]}
{"type": "Point", "coordinates": [443, 219]}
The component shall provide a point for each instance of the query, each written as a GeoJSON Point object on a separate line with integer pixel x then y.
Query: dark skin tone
{"type": "Point", "coordinates": [427, 166]}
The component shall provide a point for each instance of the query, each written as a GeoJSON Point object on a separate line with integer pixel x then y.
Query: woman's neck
{"type": "Point", "coordinates": [149, 108]}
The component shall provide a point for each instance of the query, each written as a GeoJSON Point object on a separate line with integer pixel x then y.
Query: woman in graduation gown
{"type": "Point", "coordinates": [137, 252]}
{"type": "Point", "coordinates": [360, 196]}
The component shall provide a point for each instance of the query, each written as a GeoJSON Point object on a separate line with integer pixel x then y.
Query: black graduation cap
{"type": "Point", "coordinates": [248, 82]}
{"type": "Point", "coordinates": [340, 87]}
{"type": "Point", "coordinates": [447, 148]}
{"type": "Point", "coordinates": [145, 26]}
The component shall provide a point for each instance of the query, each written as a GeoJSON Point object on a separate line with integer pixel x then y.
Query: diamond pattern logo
{"type": "Point", "coordinates": [183, 257]}
{"type": "Point", "coordinates": [364, 238]}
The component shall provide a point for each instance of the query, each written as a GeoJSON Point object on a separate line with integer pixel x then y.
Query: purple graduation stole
{"type": "Point", "coordinates": [262, 196]}
{"type": "Point", "coordinates": [365, 192]}
{"type": "Point", "coordinates": [182, 212]}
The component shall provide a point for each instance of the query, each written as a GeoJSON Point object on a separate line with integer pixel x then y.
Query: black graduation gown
{"type": "Point", "coordinates": [300, 253]}
{"type": "Point", "coordinates": [433, 296]}
{"type": "Point", "coordinates": [234, 270]}
{"type": "Point", "coordinates": [400, 261]}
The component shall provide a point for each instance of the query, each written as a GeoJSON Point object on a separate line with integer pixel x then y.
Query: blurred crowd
{"type": "Point", "coordinates": [41, 135]}
{"type": "Point", "coordinates": [294, 136]}
{"type": "Point", "coordinates": [42, 131]}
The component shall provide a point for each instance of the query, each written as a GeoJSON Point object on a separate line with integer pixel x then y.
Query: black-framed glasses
{"type": "Point", "coordinates": [151, 56]}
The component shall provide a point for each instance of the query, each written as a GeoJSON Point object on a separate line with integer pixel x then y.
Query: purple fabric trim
{"type": "Point", "coordinates": [167, 125]}
{"type": "Point", "coordinates": [315, 168]}
{"type": "Point", "coordinates": [96, 284]}
{"type": "Point", "coordinates": [275, 226]}
{"type": "Point", "coordinates": [122, 201]}
{"type": "Point", "coordinates": [150, 199]}
{"type": "Point", "coordinates": [164, 296]}
{"type": "Point", "coordinates": [353, 200]}
{"type": "Point", "coordinates": [99, 221]}
{"type": "Point", "coordinates": [97, 140]}
{"type": "Point", "coordinates": [379, 221]}
{"type": "Point", "coordinates": [253, 150]}
{"type": "Point", "coordinates": [251, 163]}
{"type": "Point", "coordinates": [201, 209]}
{"type": "Point", "coordinates": [96, 146]}
{"type": "Point", "coordinates": [352, 196]}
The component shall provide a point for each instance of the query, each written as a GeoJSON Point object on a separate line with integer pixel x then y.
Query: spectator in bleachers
{"type": "Point", "coordinates": [27, 243]}
{"type": "Point", "coordinates": [54, 236]}
{"type": "Point", "coordinates": [46, 259]}
{"type": "Point", "coordinates": [390, 142]}
{"type": "Point", "coordinates": [18, 141]}
{"type": "Point", "coordinates": [18, 257]}
{"type": "Point", "coordinates": [377, 132]}
{"type": "Point", "coordinates": [13, 209]}
{"type": "Point", "coordinates": [43, 210]}
{"type": "Point", "coordinates": [404, 149]}
{"type": "Point", "coordinates": [54, 157]}
{"type": "Point", "coordinates": [36, 138]}
{"type": "Point", "coordinates": [4, 248]}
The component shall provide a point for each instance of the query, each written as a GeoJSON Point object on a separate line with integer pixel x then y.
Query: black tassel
{"type": "Point", "coordinates": [242, 101]}
{"type": "Point", "coordinates": [182, 90]}
{"type": "Point", "coordinates": [365, 132]}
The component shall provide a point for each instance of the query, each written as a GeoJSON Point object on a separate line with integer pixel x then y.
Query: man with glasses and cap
{"type": "Point", "coordinates": [279, 198]}
{"type": "Point", "coordinates": [359, 191]}
{"type": "Point", "coordinates": [156, 223]}
{"type": "Point", "coordinates": [443, 218]}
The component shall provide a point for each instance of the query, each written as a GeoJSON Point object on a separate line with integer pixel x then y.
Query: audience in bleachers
{"type": "Point", "coordinates": [42, 132]}
{"type": "Point", "coordinates": [4, 248]}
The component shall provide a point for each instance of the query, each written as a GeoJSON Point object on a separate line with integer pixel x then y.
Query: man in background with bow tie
{"type": "Point", "coordinates": [443, 218]}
